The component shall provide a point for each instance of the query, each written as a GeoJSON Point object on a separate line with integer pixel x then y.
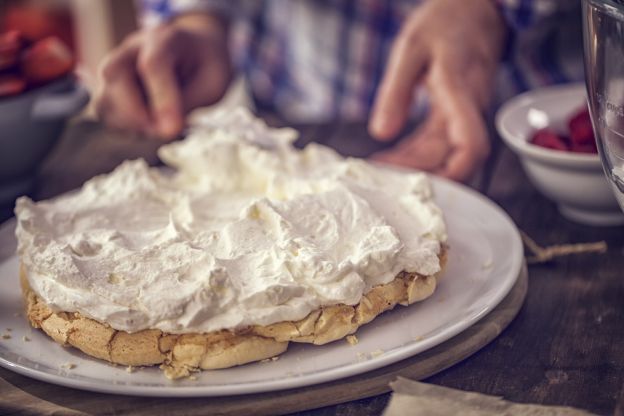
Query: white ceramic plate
{"type": "Point", "coordinates": [484, 261]}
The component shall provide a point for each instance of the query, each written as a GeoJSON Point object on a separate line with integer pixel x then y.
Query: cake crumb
{"type": "Point", "coordinates": [173, 373]}
{"type": "Point", "coordinates": [377, 353]}
{"type": "Point", "coordinates": [488, 264]}
{"type": "Point", "coordinates": [130, 369]}
{"type": "Point", "coordinates": [192, 378]}
{"type": "Point", "coordinates": [361, 356]}
{"type": "Point", "coordinates": [25, 339]}
{"type": "Point", "coordinates": [266, 360]}
{"type": "Point", "coordinates": [419, 338]}
{"type": "Point", "coordinates": [6, 336]}
{"type": "Point", "coordinates": [68, 366]}
{"type": "Point", "coordinates": [352, 339]}
{"type": "Point", "coordinates": [275, 358]}
{"type": "Point", "coordinates": [114, 279]}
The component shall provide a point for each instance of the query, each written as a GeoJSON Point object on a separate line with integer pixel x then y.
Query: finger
{"type": "Point", "coordinates": [426, 155]}
{"type": "Point", "coordinates": [466, 132]}
{"type": "Point", "coordinates": [156, 65]}
{"type": "Point", "coordinates": [206, 87]}
{"type": "Point", "coordinates": [122, 105]}
{"type": "Point", "coordinates": [469, 146]}
{"type": "Point", "coordinates": [392, 104]}
{"type": "Point", "coordinates": [119, 101]}
{"type": "Point", "coordinates": [425, 149]}
{"type": "Point", "coordinates": [120, 60]}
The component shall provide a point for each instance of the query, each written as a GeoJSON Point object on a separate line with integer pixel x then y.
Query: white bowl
{"type": "Point", "coordinates": [575, 181]}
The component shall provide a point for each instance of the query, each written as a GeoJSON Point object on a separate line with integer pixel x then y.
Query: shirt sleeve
{"type": "Point", "coordinates": [154, 12]}
{"type": "Point", "coordinates": [544, 44]}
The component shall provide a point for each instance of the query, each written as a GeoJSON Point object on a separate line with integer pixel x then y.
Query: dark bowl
{"type": "Point", "coordinates": [30, 125]}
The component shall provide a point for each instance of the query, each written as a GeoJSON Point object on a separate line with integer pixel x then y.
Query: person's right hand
{"type": "Point", "coordinates": [452, 48]}
{"type": "Point", "coordinates": [157, 75]}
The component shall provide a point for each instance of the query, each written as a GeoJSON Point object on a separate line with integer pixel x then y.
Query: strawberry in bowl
{"type": "Point", "coordinates": [578, 138]}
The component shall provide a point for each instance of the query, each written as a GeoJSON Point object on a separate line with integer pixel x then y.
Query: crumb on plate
{"type": "Point", "coordinates": [377, 353]}
{"type": "Point", "coordinates": [352, 339]}
{"type": "Point", "coordinates": [488, 264]}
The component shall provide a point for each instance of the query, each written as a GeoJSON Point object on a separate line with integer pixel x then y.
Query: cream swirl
{"type": "Point", "coordinates": [246, 230]}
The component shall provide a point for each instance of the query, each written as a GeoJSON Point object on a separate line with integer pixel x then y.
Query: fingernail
{"type": "Point", "coordinates": [381, 126]}
{"type": "Point", "coordinates": [168, 126]}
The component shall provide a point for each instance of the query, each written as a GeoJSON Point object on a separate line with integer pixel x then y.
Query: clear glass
{"type": "Point", "coordinates": [603, 38]}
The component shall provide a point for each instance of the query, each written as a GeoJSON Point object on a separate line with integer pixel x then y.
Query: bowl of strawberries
{"type": "Point", "coordinates": [551, 132]}
{"type": "Point", "coordinates": [38, 94]}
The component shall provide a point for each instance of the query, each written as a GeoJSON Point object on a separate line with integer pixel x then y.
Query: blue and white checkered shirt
{"type": "Point", "coordinates": [324, 59]}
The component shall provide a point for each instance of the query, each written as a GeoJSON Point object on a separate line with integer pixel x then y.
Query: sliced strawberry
{"type": "Point", "coordinates": [11, 43]}
{"type": "Point", "coordinates": [46, 60]}
{"type": "Point", "coordinates": [550, 139]}
{"type": "Point", "coordinates": [11, 85]}
{"type": "Point", "coordinates": [581, 128]}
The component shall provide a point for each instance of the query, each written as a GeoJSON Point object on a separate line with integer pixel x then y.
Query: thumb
{"type": "Point", "coordinates": [157, 69]}
{"type": "Point", "coordinates": [391, 108]}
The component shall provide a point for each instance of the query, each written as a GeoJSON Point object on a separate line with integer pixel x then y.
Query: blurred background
{"type": "Point", "coordinates": [42, 43]}
{"type": "Point", "coordinates": [89, 28]}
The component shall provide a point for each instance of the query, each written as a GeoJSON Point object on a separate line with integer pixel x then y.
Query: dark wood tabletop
{"type": "Point", "coordinates": [565, 347]}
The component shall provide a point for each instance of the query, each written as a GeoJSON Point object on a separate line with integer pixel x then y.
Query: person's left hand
{"type": "Point", "coordinates": [452, 48]}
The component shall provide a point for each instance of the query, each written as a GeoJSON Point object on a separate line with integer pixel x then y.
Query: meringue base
{"type": "Point", "coordinates": [179, 355]}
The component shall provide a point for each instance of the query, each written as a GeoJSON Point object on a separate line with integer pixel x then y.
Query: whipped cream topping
{"type": "Point", "coordinates": [245, 230]}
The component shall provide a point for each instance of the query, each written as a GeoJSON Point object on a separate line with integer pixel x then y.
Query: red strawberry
{"type": "Point", "coordinates": [46, 60]}
{"type": "Point", "coordinates": [10, 44]}
{"type": "Point", "coordinates": [581, 128]}
{"type": "Point", "coordinates": [11, 85]}
{"type": "Point", "coordinates": [549, 139]}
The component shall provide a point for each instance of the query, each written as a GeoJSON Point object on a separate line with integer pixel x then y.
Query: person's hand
{"type": "Point", "coordinates": [452, 48]}
{"type": "Point", "coordinates": [157, 75]}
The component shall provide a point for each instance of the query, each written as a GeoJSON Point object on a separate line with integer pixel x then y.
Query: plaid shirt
{"type": "Point", "coordinates": [324, 59]}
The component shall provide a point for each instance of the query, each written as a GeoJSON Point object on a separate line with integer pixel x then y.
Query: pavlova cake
{"type": "Point", "coordinates": [245, 245]}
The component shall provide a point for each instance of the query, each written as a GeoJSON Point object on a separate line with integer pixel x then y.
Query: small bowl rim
{"type": "Point", "coordinates": [521, 145]}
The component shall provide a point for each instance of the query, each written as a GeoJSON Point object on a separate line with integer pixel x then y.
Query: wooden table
{"type": "Point", "coordinates": [566, 346]}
